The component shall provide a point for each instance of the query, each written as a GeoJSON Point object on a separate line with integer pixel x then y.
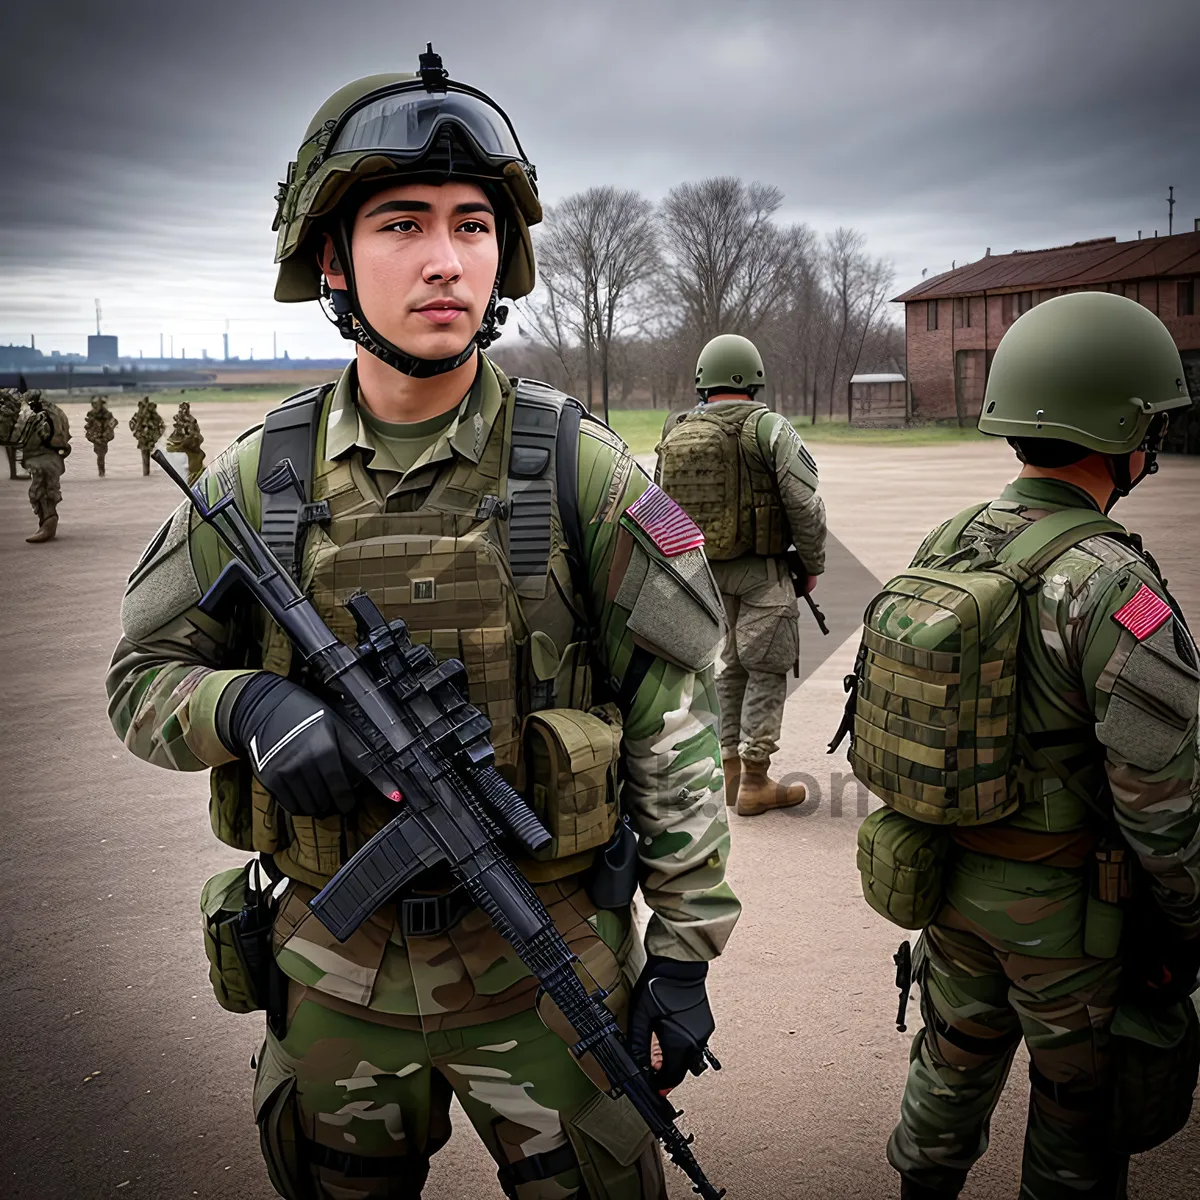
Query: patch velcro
{"type": "Point", "coordinates": [1144, 613]}
{"type": "Point", "coordinates": [666, 524]}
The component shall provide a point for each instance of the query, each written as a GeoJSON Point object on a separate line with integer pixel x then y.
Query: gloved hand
{"type": "Point", "coordinates": [669, 1000]}
{"type": "Point", "coordinates": [298, 749]}
{"type": "Point", "coordinates": [1167, 971]}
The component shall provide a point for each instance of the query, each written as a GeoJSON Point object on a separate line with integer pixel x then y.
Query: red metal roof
{"type": "Point", "coordinates": [1104, 260]}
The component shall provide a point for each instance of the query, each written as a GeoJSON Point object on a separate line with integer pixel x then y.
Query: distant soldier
{"type": "Point", "coordinates": [745, 477]}
{"type": "Point", "coordinates": [186, 439]}
{"type": "Point", "coordinates": [147, 427]}
{"type": "Point", "coordinates": [99, 427]}
{"type": "Point", "coordinates": [40, 431]}
{"type": "Point", "coordinates": [13, 473]}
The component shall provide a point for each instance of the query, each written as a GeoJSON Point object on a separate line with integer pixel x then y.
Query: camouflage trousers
{"type": "Point", "coordinates": [146, 452]}
{"type": "Point", "coordinates": [101, 449]}
{"type": "Point", "coordinates": [761, 646]}
{"type": "Point", "coordinates": [45, 489]}
{"type": "Point", "coordinates": [978, 1000]}
{"type": "Point", "coordinates": [195, 460]}
{"type": "Point", "coordinates": [352, 1109]}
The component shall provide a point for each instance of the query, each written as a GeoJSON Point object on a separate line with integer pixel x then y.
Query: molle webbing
{"type": "Point", "coordinates": [290, 432]}
{"type": "Point", "coordinates": [531, 475]}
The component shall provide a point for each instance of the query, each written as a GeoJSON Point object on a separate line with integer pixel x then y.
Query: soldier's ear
{"type": "Point", "coordinates": [331, 266]}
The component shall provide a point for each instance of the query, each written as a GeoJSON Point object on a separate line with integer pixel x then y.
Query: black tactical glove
{"type": "Point", "coordinates": [1163, 970]}
{"type": "Point", "coordinates": [669, 1000]}
{"type": "Point", "coordinates": [298, 749]}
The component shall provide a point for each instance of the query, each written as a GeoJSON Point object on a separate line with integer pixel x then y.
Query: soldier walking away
{"type": "Point", "coordinates": [744, 476]}
{"type": "Point", "coordinates": [186, 439]}
{"type": "Point", "coordinates": [1026, 703]}
{"type": "Point", "coordinates": [147, 427]}
{"type": "Point", "coordinates": [99, 427]}
{"type": "Point", "coordinates": [440, 487]}
{"type": "Point", "coordinates": [40, 431]}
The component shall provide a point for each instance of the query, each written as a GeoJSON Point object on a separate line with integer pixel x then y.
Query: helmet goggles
{"type": "Point", "coordinates": [403, 122]}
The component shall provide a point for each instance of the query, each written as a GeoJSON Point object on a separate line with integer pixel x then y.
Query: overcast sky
{"type": "Point", "coordinates": [144, 140]}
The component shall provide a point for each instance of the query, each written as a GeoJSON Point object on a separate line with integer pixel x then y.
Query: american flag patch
{"type": "Point", "coordinates": [668, 526]}
{"type": "Point", "coordinates": [1143, 614]}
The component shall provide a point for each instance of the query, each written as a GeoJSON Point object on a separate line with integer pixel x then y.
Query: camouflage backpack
{"type": "Point", "coordinates": [710, 466]}
{"type": "Point", "coordinates": [60, 436]}
{"type": "Point", "coordinates": [934, 691]}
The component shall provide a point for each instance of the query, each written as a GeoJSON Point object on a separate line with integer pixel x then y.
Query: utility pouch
{"type": "Point", "coordinates": [902, 864]}
{"type": "Point", "coordinates": [239, 917]}
{"type": "Point", "coordinates": [570, 768]}
{"type": "Point", "coordinates": [1109, 887]}
{"type": "Point", "coordinates": [1156, 1064]}
{"type": "Point", "coordinates": [613, 880]}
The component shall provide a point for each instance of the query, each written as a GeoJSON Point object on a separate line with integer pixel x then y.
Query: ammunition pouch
{"type": "Point", "coordinates": [239, 917]}
{"type": "Point", "coordinates": [570, 776]}
{"type": "Point", "coordinates": [902, 864]}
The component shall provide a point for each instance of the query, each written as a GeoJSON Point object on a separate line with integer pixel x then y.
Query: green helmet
{"type": "Point", "coordinates": [384, 125]}
{"type": "Point", "coordinates": [1090, 368]}
{"type": "Point", "coordinates": [732, 362]}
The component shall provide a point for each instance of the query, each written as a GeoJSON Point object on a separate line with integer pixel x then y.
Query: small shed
{"type": "Point", "coordinates": [878, 400]}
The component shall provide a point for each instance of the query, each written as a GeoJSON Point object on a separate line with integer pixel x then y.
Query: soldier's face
{"type": "Point", "coordinates": [425, 261]}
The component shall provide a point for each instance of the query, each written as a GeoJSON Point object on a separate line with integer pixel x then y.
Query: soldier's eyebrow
{"type": "Point", "coordinates": [422, 206]}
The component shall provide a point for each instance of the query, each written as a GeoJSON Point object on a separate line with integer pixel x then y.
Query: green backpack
{"type": "Point", "coordinates": [934, 691]}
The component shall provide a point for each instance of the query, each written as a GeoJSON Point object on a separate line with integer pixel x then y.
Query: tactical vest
{"type": "Point", "coordinates": [478, 566]}
{"type": "Point", "coordinates": [712, 466]}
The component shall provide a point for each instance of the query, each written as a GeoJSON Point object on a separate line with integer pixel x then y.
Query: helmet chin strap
{"type": "Point", "coordinates": [1123, 483]}
{"type": "Point", "coordinates": [348, 317]}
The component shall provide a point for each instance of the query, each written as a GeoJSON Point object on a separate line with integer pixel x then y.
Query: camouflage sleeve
{"type": "Point", "coordinates": [1139, 667]}
{"type": "Point", "coordinates": [172, 662]}
{"type": "Point", "coordinates": [796, 472]}
{"type": "Point", "coordinates": [672, 781]}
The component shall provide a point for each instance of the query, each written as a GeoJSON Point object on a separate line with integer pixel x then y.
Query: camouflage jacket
{"type": "Point", "coordinates": [788, 459]}
{"type": "Point", "coordinates": [1093, 675]}
{"type": "Point", "coordinates": [147, 426]}
{"type": "Point", "coordinates": [164, 683]}
{"type": "Point", "coordinates": [99, 425]}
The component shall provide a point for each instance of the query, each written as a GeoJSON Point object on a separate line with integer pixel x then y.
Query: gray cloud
{"type": "Point", "coordinates": [145, 140]}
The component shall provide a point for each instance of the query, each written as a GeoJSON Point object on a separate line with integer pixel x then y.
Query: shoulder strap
{"type": "Point", "coordinates": [948, 542]}
{"type": "Point", "coordinates": [290, 434]}
{"type": "Point", "coordinates": [1038, 545]}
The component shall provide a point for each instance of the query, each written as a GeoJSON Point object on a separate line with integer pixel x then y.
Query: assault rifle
{"type": "Point", "coordinates": [423, 747]}
{"type": "Point", "coordinates": [799, 573]}
{"type": "Point", "coordinates": [903, 960]}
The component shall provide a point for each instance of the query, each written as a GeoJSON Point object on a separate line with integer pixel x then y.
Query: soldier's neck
{"type": "Point", "coordinates": [401, 399]}
{"type": "Point", "coordinates": [1090, 474]}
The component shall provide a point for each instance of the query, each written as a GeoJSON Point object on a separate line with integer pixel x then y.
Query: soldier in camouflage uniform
{"type": "Point", "coordinates": [40, 431]}
{"type": "Point", "coordinates": [596, 675]}
{"type": "Point", "coordinates": [147, 427]}
{"type": "Point", "coordinates": [743, 474]}
{"type": "Point", "coordinates": [99, 427]}
{"type": "Point", "coordinates": [1107, 698]}
{"type": "Point", "coordinates": [186, 439]}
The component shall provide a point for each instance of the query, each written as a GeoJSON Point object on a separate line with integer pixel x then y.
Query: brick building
{"type": "Point", "coordinates": [954, 321]}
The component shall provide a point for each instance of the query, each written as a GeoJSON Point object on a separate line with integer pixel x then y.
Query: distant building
{"type": "Point", "coordinates": [102, 348]}
{"type": "Point", "coordinates": [880, 399]}
{"type": "Point", "coordinates": [954, 321]}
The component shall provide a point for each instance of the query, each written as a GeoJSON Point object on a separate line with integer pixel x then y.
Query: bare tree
{"type": "Point", "coordinates": [858, 286]}
{"type": "Point", "coordinates": [597, 252]}
{"type": "Point", "coordinates": [727, 262]}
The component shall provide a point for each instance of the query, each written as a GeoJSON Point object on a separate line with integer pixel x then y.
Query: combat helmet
{"type": "Point", "coordinates": [1090, 368]}
{"type": "Point", "coordinates": [381, 127]}
{"type": "Point", "coordinates": [730, 362]}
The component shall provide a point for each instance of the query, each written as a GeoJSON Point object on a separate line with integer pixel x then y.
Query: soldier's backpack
{"type": "Point", "coordinates": [709, 465]}
{"type": "Point", "coordinates": [933, 695]}
{"type": "Point", "coordinates": [60, 436]}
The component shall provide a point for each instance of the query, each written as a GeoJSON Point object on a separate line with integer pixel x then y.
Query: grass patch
{"type": "Point", "coordinates": [641, 429]}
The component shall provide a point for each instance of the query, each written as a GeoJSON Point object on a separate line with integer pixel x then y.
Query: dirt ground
{"type": "Point", "coordinates": [121, 1076]}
